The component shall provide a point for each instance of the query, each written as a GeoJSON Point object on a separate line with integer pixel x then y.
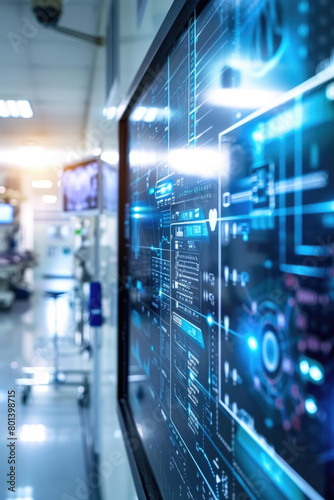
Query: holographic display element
{"type": "Point", "coordinates": [229, 244]}
{"type": "Point", "coordinates": [80, 187]}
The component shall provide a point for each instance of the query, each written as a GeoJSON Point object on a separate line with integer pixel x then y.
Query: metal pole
{"type": "Point", "coordinates": [55, 341]}
{"type": "Point", "coordinates": [96, 391]}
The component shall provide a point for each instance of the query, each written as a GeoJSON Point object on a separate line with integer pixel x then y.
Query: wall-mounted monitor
{"type": "Point", "coordinates": [226, 343]}
{"type": "Point", "coordinates": [80, 187]}
{"type": "Point", "coordinates": [6, 213]}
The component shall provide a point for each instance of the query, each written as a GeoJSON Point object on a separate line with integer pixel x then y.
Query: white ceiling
{"type": "Point", "coordinates": [53, 71]}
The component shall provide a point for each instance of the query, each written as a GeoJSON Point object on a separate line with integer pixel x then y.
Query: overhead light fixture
{"type": "Point", "coordinates": [4, 111]}
{"type": "Point", "coordinates": [49, 198]}
{"type": "Point", "coordinates": [15, 109]}
{"type": "Point", "coordinates": [25, 109]}
{"type": "Point", "coordinates": [39, 184]}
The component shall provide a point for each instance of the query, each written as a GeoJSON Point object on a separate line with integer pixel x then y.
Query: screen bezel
{"type": "Point", "coordinates": [173, 26]}
{"type": "Point", "coordinates": [91, 211]}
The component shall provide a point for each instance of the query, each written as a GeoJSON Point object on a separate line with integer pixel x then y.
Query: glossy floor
{"type": "Point", "coordinates": [49, 449]}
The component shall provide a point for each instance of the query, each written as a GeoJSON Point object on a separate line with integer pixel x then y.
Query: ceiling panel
{"type": "Point", "coordinates": [10, 19]}
{"type": "Point", "coordinates": [17, 84]}
{"type": "Point", "coordinates": [66, 78]}
{"type": "Point", "coordinates": [48, 55]}
{"type": "Point", "coordinates": [53, 71]}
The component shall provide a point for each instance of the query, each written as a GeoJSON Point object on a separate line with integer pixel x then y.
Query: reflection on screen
{"type": "Point", "coordinates": [230, 246]}
{"type": "Point", "coordinates": [80, 187]}
{"type": "Point", "coordinates": [6, 213]}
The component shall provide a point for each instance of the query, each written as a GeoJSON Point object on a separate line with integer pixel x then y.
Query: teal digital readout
{"type": "Point", "coordinates": [196, 230]}
{"type": "Point", "coordinates": [190, 329]}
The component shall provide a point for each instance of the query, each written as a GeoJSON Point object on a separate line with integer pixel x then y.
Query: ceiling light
{"type": "Point", "coordinates": [41, 184]}
{"type": "Point", "coordinates": [15, 109]}
{"type": "Point", "coordinates": [49, 198]}
{"type": "Point", "coordinates": [4, 112]}
{"type": "Point", "coordinates": [25, 109]}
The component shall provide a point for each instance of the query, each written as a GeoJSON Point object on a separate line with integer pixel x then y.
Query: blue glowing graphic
{"type": "Point", "coordinates": [304, 367]}
{"type": "Point", "coordinates": [252, 343]}
{"type": "Point", "coordinates": [210, 319]}
{"type": "Point", "coordinates": [316, 374]}
{"type": "Point", "coordinates": [311, 406]}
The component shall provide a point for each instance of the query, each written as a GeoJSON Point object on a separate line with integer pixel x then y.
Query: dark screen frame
{"type": "Point", "coordinates": [173, 26]}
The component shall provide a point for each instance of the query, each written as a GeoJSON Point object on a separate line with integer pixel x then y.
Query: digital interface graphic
{"type": "Point", "coordinates": [229, 232]}
{"type": "Point", "coordinates": [6, 213]}
{"type": "Point", "coordinates": [80, 187]}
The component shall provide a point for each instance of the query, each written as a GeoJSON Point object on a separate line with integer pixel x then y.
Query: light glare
{"type": "Point", "coordinates": [49, 198]}
{"type": "Point", "coordinates": [40, 184]}
{"type": "Point", "coordinates": [238, 98]}
{"type": "Point", "coordinates": [25, 109]}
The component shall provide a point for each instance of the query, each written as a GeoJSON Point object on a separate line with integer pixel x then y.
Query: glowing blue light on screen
{"type": "Point", "coordinates": [210, 319]}
{"type": "Point", "coordinates": [311, 406]}
{"type": "Point", "coordinates": [258, 136]}
{"type": "Point", "coordinates": [304, 367]}
{"type": "Point", "coordinates": [160, 292]}
{"type": "Point", "coordinates": [136, 216]}
{"type": "Point", "coordinates": [136, 209]}
{"type": "Point", "coordinates": [303, 7]}
{"type": "Point", "coordinates": [252, 343]}
{"type": "Point", "coordinates": [316, 374]}
{"type": "Point", "coordinates": [330, 92]}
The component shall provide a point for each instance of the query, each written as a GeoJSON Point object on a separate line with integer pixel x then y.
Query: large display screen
{"type": "Point", "coordinates": [6, 213]}
{"type": "Point", "coordinates": [80, 184]}
{"type": "Point", "coordinates": [229, 244]}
